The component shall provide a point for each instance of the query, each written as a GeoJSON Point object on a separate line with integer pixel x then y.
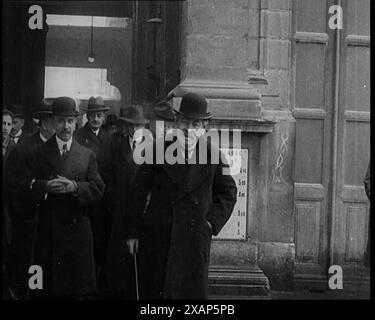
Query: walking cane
{"type": "Point", "coordinates": [136, 275]}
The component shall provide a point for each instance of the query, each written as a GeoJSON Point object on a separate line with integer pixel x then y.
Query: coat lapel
{"type": "Point", "coordinates": [91, 136]}
{"type": "Point", "coordinates": [125, 147]}
{"type": "Point", "coordinates": [101, 136]}
{"type": "Point", "coordinates": [72, 159]}
{"type": "Point", "coordinates": [187, 177]}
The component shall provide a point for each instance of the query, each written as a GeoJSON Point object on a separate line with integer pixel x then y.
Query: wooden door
{"type": "Point", "coordinates": [331, 108]}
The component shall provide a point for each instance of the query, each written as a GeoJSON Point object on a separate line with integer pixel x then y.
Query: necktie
{"type": "Point", "coordinates": [64, 151]}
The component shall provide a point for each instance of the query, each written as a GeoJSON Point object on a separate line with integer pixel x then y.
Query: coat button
{"type": "Point", "coordinates": [74, 220]}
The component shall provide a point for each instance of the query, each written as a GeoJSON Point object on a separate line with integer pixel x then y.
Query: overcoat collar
{"type": "Point", "coordinates": [91, 135]}
{"type": "Point", "coordinates": [187, 176]}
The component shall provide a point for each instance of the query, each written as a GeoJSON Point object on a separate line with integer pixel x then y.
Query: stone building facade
{"type": "Point", "coordinates": [299, 92]}
{"type": "Point", "coordinates": [297, 89]}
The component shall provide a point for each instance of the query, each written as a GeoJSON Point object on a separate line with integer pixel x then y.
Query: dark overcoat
{"type": "Point", "coordinates": [21, 208]}
{"type": "Point", "coordinates": [174, 234]}
{"type": "Point", "coordinates": [101, 145]}
{"type": "Point", "coordinates": [119, 266]}
{"type": "Point", "coordinates": [101, 213]}
{"type": "Point", "coordinates": [64, 243]}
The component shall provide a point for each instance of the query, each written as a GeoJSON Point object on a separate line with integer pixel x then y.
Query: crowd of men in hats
{"type": "Point", "coordinates": [99, 225]}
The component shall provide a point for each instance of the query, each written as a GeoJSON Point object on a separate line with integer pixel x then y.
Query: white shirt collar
{"type": "Point", "coordinates": [60, 143]}
{"type": "Point", "coordinates": [96, 132]}
{"type": "Point", "coordinates": [42, 137]}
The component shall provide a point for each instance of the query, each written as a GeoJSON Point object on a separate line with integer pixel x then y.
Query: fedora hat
{"type": "Point", "coordinates": [96, 104]}
{"type": "Point", "coordinates": [17, 110]}
{"type": "Point", "coordinates": [194, 106]}
{"type": "Point", "coordinates": [64, 107]}
{"type": "Point", "coordinates": [44, 110]}
{"type": "Point", "coordinates": [133, 114]}
{"type": "Point", "coordinates": [164, 111]}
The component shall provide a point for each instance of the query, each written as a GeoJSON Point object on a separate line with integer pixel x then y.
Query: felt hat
{"type": "Point", "coordinates": [44, 110]}
{"type": "Point", "coordinates": [194, 106]}
{"type": "Point", "coordinates": [164, 111]}
{"type": "Point", "coordinates": [96, 104]}
{"type": "Point", "coordinates": [64, 107]}
{"type": "Point", "coordinates": [133, 114]}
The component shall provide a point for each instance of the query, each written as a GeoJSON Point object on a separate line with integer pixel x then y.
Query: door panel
{"type": "Point", "coordinates": [312, 59]}
{"type": "Point", "coordinates": [309, 159]}
{"type": "Point", "coordinates": [351, 218]}
{"type": "Point", "coordinates": [322, 236]}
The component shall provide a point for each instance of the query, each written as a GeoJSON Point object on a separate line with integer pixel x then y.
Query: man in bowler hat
{"type": "Point", "coordinates": [92, 136]}
{"type": "Point", "coordinates": [119, 266]}
{"type": "Point", "coordinates": [64, 182]}
{"type": "Point", "coordinates": [189, 204]}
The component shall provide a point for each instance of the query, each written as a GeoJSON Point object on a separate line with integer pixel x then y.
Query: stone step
{"type": "Point", "coordinates": [237, 281]}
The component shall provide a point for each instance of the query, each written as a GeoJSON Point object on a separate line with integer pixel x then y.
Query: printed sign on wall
{"type": "Point", "coordinates": [235, 228]}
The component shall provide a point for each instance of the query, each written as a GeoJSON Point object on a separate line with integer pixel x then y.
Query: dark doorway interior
{"type": "Point", "coordinates": [156, 47]}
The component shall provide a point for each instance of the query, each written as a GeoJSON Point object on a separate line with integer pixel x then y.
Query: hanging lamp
{"type": "Point", "coordinates": [91, 56]}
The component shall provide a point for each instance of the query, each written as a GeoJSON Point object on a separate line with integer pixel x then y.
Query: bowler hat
{"type": "Point", "coordinates": [194, 106]}
{"type": "Point", "coordinates": [44, 110]}
{"type": "Point", "coordinates": [164, 110]}
{"type": "Point", "coordinates": [64, 107]}
{"type": "Point", "coordinates": [17, 110]}
{"type": "Point", "coordinates": [96, 104]}
{"type": "Point", "coordinates": [133, 114]}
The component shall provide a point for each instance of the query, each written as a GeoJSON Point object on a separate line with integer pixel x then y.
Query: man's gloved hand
{"type": "Point", "coordinates": [69, 185]}
{"type": "Point", "coordinates": [55, 186]}
{"type": "Point", "coordinates": [132, 245]}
